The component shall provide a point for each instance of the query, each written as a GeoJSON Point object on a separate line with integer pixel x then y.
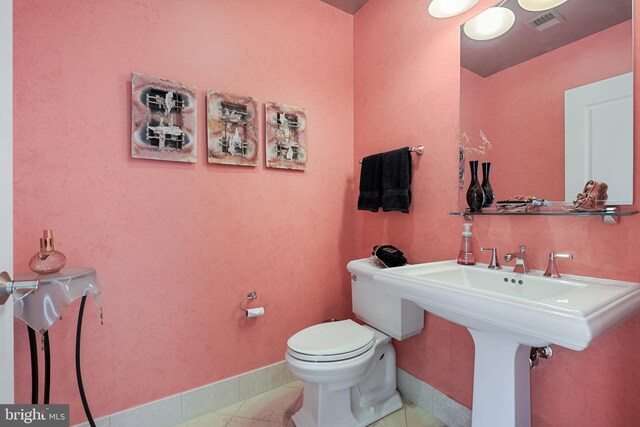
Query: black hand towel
{"type": "Point", "coordinates": [396, 180]}
{"type": "Point", "coordinates": [370, 176]}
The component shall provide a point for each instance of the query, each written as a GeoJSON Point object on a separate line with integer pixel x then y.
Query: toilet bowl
{"type": "Point", "coordinates": [348, 369]}
{"type": "Point", "coordinates": [345, 384]}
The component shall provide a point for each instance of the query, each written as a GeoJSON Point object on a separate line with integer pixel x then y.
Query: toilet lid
{"type": "Point", "coordinates": [332, 341]}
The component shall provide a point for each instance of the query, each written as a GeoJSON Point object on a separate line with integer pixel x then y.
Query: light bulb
{"type": "Point", "coordinates": [449, 8]}
{"type": "Point", "coordinates": [490, 24]}
{"type": "Point", "coordinates": [539, 5]}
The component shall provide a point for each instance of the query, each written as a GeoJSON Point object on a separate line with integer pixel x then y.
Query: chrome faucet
{"type": "Point", "coordinates": [522, 266]}
{"type": "Point", "coordinates": [552, 269]}
{"type": "Point", "coordinates": [493, 264]}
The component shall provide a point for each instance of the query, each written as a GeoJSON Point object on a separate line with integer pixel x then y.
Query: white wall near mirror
{"type": "Point", "coordinates": [520, 106]}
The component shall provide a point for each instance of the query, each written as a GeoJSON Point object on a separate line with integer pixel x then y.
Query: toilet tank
{"type": "Point", "coordinates": [396, 317]}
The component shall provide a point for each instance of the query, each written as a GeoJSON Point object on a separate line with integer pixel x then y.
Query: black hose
{"type": "Point", "coordinates": [47, 367]}
{"type": "Point", "coordinates": [33, 347]}
{"type": "Point", "coordinates": [78, 372]}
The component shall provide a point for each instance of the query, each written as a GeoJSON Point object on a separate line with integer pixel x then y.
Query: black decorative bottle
{"type": "Point", "coordinates": [475, 195]}
{"type": "Point", "coordinates": [486, 185]}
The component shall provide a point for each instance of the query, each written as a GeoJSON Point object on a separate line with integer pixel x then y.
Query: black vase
{"type": "Point", "coordinates": [486, 185]}
{"type": "Point", "coordinates": [475, 194]}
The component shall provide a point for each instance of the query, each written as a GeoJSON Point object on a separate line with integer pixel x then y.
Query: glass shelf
{"type": "Point", "coordinates": [43, 307]}
{"type": "Point", "coordinates": [608, 216]}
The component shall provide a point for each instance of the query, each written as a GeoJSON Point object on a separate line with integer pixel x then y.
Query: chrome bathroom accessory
{"type": "Point", "coordinates": [9, 286]}
{"type": "Point", "coordinates": [522, 266]}
{"type": "Point", "coordinates": [251, 296]}
{"type": "Point", "coordinates": [493, 264]}
{"type": "Point", "coordinates": [253, 311]}
{"type": "Point", "coordinates": [552, 268]}
{"type": "Point", "coordinates": [537, 353]}
{"type": "Point", "coordinates": [419, 150]}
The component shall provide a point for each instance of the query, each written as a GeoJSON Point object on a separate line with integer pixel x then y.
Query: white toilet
{"type": "Point", "coordinates": [349, 370]}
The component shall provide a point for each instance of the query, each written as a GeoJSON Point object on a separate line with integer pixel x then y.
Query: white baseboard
{"type": "Point", "coordinates": [172, 410]}
{"type": "Point", "coordinates": [441, 406]}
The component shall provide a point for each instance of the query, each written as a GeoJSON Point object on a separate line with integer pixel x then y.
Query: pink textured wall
{"type": "Point", "coordinates": [524, 106]}
{"type": "Point", "coordinates": [177, 246]}
{"type": "Point", "coordinates": [406, 93]}
{"type": "Point", "coordinates": [472, 121]}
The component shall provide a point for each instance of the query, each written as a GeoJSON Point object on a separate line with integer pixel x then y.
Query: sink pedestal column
{"type": "Point", "coordinates": [501, 392]}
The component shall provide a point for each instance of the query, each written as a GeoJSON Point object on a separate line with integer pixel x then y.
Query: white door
{"type": "Point", "coordinates": [6, 196]}
{"type": "Point", "coordinates": [599, 138]}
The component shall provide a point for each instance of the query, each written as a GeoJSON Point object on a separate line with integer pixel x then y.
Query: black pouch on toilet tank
{"type": "Point", "coordinates": [389, 256]}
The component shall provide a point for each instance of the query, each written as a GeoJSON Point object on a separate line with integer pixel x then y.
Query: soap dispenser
{"type": "Point", "coordinates": [48, 260]}
{"type": "Point", "coordinates": [465, 256]}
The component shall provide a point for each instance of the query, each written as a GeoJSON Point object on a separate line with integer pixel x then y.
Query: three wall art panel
{"type": "Point", "coordinates": [164, 126]}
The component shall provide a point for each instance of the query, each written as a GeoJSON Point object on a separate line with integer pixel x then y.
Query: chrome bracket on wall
{"type": "Point", "coordinates": [610, 219]}
{"type": "Point", "coordinates": [251, 296]}
{"type": "Point", "coordinates": [8, 286]}
{"type": "Point", "coordinates": [538, 353]}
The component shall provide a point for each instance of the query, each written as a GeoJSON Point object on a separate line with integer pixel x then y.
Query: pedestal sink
{"type": "Point", "coordinates": [507, 314]}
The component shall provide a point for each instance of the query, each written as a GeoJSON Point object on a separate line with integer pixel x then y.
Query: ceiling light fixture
{"type": "Point", "coordinates": [539, 5]}
{"type": "Point", "coordinates": [490, 24]}
{"type": "Point", "coordinates": [449, 8]}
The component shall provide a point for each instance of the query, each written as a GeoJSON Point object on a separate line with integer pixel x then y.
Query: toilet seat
{"type": "Point", "coordinates": [331, 342]}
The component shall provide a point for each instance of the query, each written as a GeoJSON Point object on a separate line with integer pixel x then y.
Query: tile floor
{"type": "Point", "coordinates": [275, 407]}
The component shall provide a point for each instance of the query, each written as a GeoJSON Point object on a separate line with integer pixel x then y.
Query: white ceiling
{"type": "Point", "coordinates": [349, 6]}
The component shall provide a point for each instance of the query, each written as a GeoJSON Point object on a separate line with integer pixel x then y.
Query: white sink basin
{"type": "Point", "coordinates": [570, 311]}
{"type": "Point", "coordinates": [507, 314]}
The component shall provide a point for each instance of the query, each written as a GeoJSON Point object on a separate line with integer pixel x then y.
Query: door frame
{"type": "Point", "coordinates": [6, 196]}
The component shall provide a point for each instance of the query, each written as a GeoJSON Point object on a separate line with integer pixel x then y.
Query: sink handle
{"type": "Point", "coordinates": [493, 264]}
{"type": "Point", "coordinates": [552, 268]}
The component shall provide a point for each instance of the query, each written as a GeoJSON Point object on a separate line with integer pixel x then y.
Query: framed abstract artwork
{"type": "Point", "coordinates": [163, 119]}
{"type": "Point", "coordinates": [286, 136]}
{"type": "Point", "coordinates": [232, 129]}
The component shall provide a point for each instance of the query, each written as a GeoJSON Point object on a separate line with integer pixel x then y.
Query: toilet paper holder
{"type": "Point", "coordinates": [251, 312]}
{"type": "Point", "coordinates": [251, 296]}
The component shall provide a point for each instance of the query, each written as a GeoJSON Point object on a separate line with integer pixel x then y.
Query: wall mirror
{"type": "Point", "coordinates": [554, 96]}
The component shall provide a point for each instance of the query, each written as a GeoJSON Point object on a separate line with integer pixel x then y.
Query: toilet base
{"type": "Point", "coordinates": [351, 393]}
{"type": "Point", "coordinates": [355, 417]}
{"type": "Point", "coordinates": [361, 398]}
